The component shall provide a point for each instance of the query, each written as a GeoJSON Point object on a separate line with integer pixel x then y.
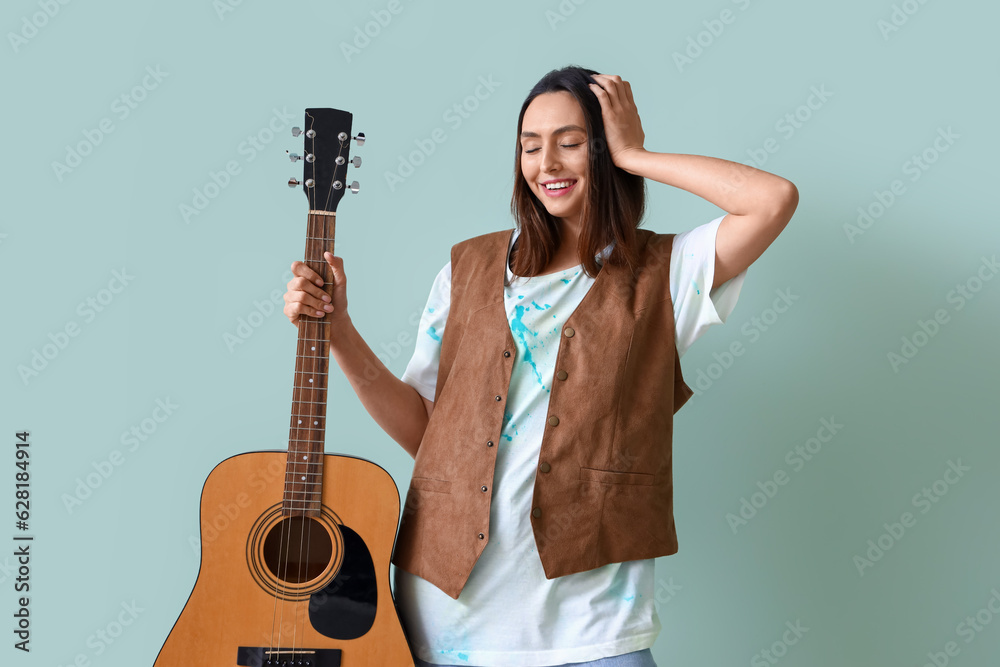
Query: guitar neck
{"type": "Point", "coordinates": [306, 439]}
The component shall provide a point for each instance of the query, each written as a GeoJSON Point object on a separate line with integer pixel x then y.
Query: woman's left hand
{"type": "Point", "coordinates": [621, 118]}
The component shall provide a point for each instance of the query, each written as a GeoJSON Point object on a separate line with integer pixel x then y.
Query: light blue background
{"type": "Point", "coordinates": [162, 337]}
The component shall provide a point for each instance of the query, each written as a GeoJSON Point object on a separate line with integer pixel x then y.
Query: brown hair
{"type": "Point", "coordinates": [614, 205]}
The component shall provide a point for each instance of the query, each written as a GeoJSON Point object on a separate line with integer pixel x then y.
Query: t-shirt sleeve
{"type": "Point", "coordinates": [692, 272]}
{"type": "Point", "coordinates": [421, 373]}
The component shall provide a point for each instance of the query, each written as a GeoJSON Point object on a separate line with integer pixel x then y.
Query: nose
{"type": "Point", "coordinates": [550, 159]}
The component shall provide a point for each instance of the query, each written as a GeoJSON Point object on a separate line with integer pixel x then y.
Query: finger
{"type": "Point", "coordinates": [302, 269]}
{"type": "Point", "coordinates": [614, 88]}
{"type": "Point", "coordinates": [309, 307]}
{"type": "Point", "coordinates": [303, 286]}
{"type": "Point", "coordinates": [628, 93]}
{"type": "Point", "coordinates": [315, 302]}
{"type": "Point", "coordinates": [608, 94]}
{"type": "Point", "coordinates": [602, 95]}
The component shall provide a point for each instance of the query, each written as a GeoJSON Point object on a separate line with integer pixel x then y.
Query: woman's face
{"type": "Point", "coordinates": [554, 151]}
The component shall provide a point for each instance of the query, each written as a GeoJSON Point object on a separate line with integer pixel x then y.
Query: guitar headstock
{"type": "Point", "coordinates": [326, 155]}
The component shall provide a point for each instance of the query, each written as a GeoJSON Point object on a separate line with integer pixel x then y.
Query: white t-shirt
{"type": "Point", "coordinates": [508, 613]}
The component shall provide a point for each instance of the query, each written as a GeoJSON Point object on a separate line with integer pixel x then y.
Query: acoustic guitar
{"type": "Point", "coordinates": [299, 574]}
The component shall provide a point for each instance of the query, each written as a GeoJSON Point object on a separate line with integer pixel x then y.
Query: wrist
{"type": "Point", "coordinates": [340, 326]}
{"type": "Point", "coordinates": [631, 159]}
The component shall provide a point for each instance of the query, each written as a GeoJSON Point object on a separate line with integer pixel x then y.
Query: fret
{"type": "Point", "coordinates": [313, 402]}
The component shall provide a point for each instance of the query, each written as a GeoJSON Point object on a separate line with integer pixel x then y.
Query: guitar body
{"type": "Point", "coordinates": [314, 589]}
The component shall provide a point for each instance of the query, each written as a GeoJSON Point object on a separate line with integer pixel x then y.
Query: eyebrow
{"type": "Point", "coordinates": [564, 128]}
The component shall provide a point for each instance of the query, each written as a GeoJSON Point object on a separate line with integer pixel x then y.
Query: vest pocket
{"type": "Point", "coordinates": [616, 477]}
{"type": "Point", "coordinates": [429, 484]}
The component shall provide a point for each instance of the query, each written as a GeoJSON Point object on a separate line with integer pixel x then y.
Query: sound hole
{"type": "Point", "coordinates": [297, 549]}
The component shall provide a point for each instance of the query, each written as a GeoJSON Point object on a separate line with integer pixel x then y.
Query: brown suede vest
{"type": "Point", "coordinates": [603, 489]}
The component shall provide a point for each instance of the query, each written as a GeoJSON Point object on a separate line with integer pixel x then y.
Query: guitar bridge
{"type": "Point", "coordinates": [259, 656]}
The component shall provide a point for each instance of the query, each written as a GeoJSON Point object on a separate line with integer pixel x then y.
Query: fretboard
{"type": "Point", "coordinates": [306, 439]}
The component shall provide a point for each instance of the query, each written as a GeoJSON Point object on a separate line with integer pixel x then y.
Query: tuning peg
{"type": "Point", "coordinates": [360, 138]}
{"type": "Point", "coordinates": [296, 131]}
{"type": "Point", "coordinates": [356, 160]}
{"type": "Point", "coordinates": [354, 186]}
{"type": "Point", "coordinates": [294, 156]}
{"type": "Point", "coordinates": [292, 182]}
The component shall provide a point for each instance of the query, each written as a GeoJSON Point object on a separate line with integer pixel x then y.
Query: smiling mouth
{"type": "Point", "coordinates": [558, 188]}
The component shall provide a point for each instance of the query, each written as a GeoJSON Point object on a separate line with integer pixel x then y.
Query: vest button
{"type": "Point", "coordinates": [545, 467]}
{"type": "Point", "coordinates": [553, 420]}
{"type": "Point", "coordinates": [568, 332]}
{"type": "Point", "coordinates": [481, 536]}
{"type": "Point", "coordinates": [484, 488]}
{"type": "Point", "coordinates": [562, 375]}
{"type": "Point", "coordinates": [506, 353]}
{"type": "Point", "coordinates": [498, 398]}
{"type": "Point", "coordinates": [537, 512]}
{"type": "Point", "coordinates": [489, 443]}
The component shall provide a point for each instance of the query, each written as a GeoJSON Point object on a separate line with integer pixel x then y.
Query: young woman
{"type": "Point", "coordinates": [534, 515]}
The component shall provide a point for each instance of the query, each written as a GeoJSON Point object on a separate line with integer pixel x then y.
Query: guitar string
{"type": "Point", "coordinates": [290, 460]}
{"type": "Point", "coordinates": [311, 362]}
{"type": "Point", "coordinates": [317, 361]}
{"type": "Point", "coordinates": [279, 592]}
{"type": "Point", "coordinates": [316, 364]}
{"type": "Point", "coordinates": [312, 328]}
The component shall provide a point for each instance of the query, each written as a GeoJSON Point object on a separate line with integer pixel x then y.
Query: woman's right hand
{"type": "Point", "coordinates": [306, 296]}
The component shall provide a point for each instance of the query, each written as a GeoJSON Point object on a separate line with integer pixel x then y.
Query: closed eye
{"type": "Point", "coordinates": [563, 145]}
